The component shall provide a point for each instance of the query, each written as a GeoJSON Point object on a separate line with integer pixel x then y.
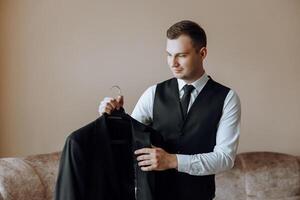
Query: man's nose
{"type": "Point", "coordinates": [173, 62]}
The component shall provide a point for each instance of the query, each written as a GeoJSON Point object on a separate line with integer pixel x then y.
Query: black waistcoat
{"type": "Point", "coordinates": [196, 134]}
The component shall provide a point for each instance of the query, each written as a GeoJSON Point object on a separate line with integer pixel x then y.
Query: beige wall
{"type": "Point", "coordinates": [59, 58]}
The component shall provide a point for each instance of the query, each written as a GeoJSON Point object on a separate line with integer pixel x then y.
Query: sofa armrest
{"type": "Point", "coordinates": [46, 167]}
{"type": "Point", "coordinates": [231, 184]}
{"type": "Point", "coordinates": [271, 175]}
{"type": "Point", "coordinates": [18, 178]}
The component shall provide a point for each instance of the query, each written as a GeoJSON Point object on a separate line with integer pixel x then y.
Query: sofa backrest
{"type": "Point", "coordinates": [18, 180]}
{"type": "Point", "coordinates": [255, 176]}
{"type": "Point", "coordinates": [261, 175]}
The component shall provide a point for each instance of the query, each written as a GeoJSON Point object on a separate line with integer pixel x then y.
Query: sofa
{"type": "Point", "coordinates": [255, 176]}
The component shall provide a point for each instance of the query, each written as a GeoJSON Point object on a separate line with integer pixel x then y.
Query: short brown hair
{"type": "Point", "coordinates": [191, 29]}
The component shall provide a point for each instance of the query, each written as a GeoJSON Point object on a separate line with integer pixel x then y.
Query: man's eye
{"type": "Point", "coordinates": [181, 55]}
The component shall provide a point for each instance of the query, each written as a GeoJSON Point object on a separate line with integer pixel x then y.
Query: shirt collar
{"type": "Point", "coordinates": [198, 84]}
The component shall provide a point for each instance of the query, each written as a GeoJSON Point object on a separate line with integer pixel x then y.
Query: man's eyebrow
{"type": "Point", "coordinates": [178, 53]}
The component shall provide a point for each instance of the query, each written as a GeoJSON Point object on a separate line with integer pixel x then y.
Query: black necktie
{"type": "Point", "coordinates": [185, 100]}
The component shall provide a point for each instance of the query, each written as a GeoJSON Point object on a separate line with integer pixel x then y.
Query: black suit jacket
{"type": "Point", "coordinates": [98, 163]}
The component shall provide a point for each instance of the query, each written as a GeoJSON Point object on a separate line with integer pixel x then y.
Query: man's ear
{"type": "Point", "coordinates": [203, 52]}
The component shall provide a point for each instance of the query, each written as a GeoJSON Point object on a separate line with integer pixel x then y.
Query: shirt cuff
{"type": "Point", "coordinates": [184, 163]}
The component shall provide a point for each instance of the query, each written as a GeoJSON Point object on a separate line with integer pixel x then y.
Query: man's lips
{"type": "Point", "coordinates": [177, 70]}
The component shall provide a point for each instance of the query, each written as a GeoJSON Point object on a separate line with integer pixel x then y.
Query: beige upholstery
{"type": "Point", "coordinates": [30, 178]}
{"type": "Point", "coordinates": [261, 176]}
{"type": "Point", "coordinates": [255, 176]}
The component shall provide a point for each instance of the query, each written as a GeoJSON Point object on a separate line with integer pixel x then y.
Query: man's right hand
{"type": "Point", "coordinates": [109, 104]}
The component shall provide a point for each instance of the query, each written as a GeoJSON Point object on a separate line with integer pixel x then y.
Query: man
{"type": "Point", "coordinates": [198, 118]}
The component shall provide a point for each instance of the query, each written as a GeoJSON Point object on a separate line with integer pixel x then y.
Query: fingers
{"type": "Point", "coordinates": [155, 159]}
{"type": "Point", "coordinates": [149, 165]}
{"type": "Point", "coordinates": [147, 159]}
{"type": "Point", "coordinates": [105, 106]}
{"type": "Point", "coordinates": [145, 163]}
{"type": "Point", "coordinates": [144, 151]}
{"type": "Point", "coordinates": [144, 157]}
{"type": "Point", "coordinates": [108, 105]}
{"type": "Point", "coordinates": [120, 101]}
{"type": "Point", "coordinates": [148, 168]}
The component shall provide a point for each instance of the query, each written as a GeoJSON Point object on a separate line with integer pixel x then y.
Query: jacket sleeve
{"type": "Point", "coordinates": [71, 174]}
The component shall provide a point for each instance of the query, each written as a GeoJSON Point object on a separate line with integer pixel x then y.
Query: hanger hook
{"type": "Point", "coordinates": [118, 88]}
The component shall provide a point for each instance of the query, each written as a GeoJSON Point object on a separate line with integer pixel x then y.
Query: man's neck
{"type": "Point", "coordinates": [194, 79]}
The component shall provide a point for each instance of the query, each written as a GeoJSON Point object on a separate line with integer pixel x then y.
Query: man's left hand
{"type": "Point", "coordinates": [155, 158]}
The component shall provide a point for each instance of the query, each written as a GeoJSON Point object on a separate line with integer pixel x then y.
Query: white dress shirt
{"type": "Point", "coordinates": [223, 156]}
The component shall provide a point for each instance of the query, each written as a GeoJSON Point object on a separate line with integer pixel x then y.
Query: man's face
{"type": "Point", "coordinates": [184, 61]}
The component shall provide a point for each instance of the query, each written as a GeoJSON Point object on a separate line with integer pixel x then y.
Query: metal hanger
{"type": "Point", "coordinates": [117, 114]}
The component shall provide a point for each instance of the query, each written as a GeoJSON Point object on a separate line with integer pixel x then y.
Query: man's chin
{"type": "Point", "coordinates": [179, 76]}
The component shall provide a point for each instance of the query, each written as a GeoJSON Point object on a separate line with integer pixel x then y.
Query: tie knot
{"type": "Point", "coordinates": [188, 89]}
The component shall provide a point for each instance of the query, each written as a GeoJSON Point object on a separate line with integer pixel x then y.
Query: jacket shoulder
{"type": "Point", "coordinates": [84, 134]}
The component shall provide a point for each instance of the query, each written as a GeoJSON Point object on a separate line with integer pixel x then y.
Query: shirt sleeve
{"type": "Point", "coordinates": [143, 110]}
{"type": "Point", "coordinates": [223, 156]}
